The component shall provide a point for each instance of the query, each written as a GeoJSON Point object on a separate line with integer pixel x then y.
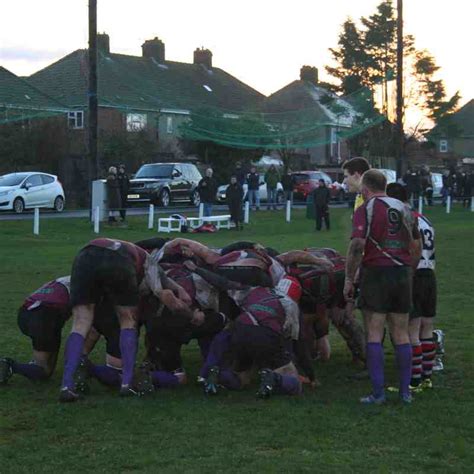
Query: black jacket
{"type": "Point", "coordinates": [321, 196]}
{"type": "Point", "coordinates": [207, 188]}
{"type": "Point", "coordinates": [234, 194]}
{"type": "Point", "coordinates": [288, 182]}
{"type": "Point", "coordinates": [253, 181]}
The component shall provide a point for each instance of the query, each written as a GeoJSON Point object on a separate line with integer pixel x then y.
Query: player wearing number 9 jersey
{"type": "Point", "coordinates": [383, 242]}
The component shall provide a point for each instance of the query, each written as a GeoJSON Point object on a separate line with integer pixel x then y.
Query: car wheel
{"type": "Point", "coordinates": [18, 205]}
{"type": "Point", "coordinates": [196, 198]}
{"type": "Point", "coordinates": [165, 198]}
{"type": "Point", "coordinates": [59, 204]}
{"type": "Point", "coordinates": [279, 198]}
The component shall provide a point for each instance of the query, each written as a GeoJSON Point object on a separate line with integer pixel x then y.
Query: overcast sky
{"type": "Point", "coordinates": [262, 42]}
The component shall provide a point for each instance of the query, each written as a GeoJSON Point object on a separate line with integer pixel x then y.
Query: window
{"type": "Point", "coordinates": [136, 122]}
{"type": "Point", "coordinates": [169, 124]}
{"type": "Point", "coordinates": [34, 180]}
{"type": "Point", "coordinates": [75, 119]}
{"type": "Point", "coordinates": [47, 179]}
{"type": "Point", "coordinates": [443, 146]}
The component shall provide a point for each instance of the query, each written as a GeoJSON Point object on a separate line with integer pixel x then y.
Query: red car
{"type": "Point", "coordinates": [307, 181]}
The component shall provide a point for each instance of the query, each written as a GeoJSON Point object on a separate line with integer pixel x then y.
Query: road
{"type": "Point", "coordinates": [138, 211]}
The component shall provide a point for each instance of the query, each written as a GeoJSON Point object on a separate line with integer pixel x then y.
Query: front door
{"type": "Point", "coordinates": [33, 191]}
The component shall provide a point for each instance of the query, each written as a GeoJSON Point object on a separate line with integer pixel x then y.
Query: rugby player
{"type": "Point", "coordinates": [269, 319]}
{"type": "Point", "coordinates": [41, 317]}
{"type": "Point", "coordinates": [353, 171]}
{"type": "Point", "coordinates": [114, 269]}
{"type": "Point", "coordinates": [423, 310]}
{"type": "Point", "coordinates": [383, 242]}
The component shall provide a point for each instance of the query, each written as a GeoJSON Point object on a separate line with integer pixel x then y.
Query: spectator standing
{"type": "Point", "coordinates": [288, 184]}
{"type": "Point", "coordinates": [272, 177]}
{"type": "Point", "coordinates": [114, 200]}
{"type": "Point", "coordinates": [207, 188]}
{"type": "Point", "coordinates": [234, 196]}
{"type": "Point", "coordinates": [321, 198]}
{"type": "Point", "coordinates": [253, 180]}
{"type": "Point", "coordinates": [239, 173]}
{"type": "Point", "coordinates": [124, 184]}
{"type": "Point", "coordinates": [468, 182]}
{"type": "Point", "coordinates": [427, 185]}
{"type": "Point", "coordinates": [413, 181]}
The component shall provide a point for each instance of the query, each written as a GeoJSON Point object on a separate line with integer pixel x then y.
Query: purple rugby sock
{"type": "Point", "coordinates": [229, 379]}
{"type": "Point", "coordinates": [163, 379]}
{"type": "Point", "coordinates": [106, 375]}
{"type": "Point", "coordinates": [404, 358]}
{"type": "Point", "coordinates": [289, 385]}
{"type": "Point", "coordinates": [375, 364]}
{"type": "Point", "coordinates": [219, 346]}
{"type": "Point", "coordinates": [72, 358]}
{"type": "Point", "coordinates": [30, 371]}
{"type": "Point", "coordinates": [128, 349]}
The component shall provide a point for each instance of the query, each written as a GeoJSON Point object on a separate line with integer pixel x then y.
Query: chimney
{"type": "Point", "coordinates": [103, 43]}
{"type": "Point", "coordinates": [309, 73]}
{"type": "Point", "coordinates": [154, 48]}
{"type": "Point", "coordinates": [204, 57]}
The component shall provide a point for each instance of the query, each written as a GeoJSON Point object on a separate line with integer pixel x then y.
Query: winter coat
{"type": "Point", "coordinates": [321, 196]}
{"type": "Point", "coordinates": [239, 173]}
{"type": "Point", "coordinates": [287, 182]}
{"type": "Point", "coordinates": [114, 199]}
{"type": "Point", "coordinates": [234, 194]}
{"type": "Point", "coordinates": [253, 181]}
{"type": "Point", "coordinates": [207, 188]}
{"type": "Point", "coordinates": [124, 184]}
{"type": "Point", "coordinates": [271, 178]}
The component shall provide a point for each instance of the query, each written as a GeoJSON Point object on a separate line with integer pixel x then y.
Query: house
{"type": "Point", "coordinates": [314, 120]}
{"type": "Point", "coordinates": [454, 139]}
{"type": "Point", "coordinates": [148, 93]}
{"type": "Point", "coordinates": [20, 99]}
{"type": "Point", "coordinates": [27, 117]}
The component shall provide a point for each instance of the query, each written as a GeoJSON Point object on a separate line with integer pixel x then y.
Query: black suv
{"type": "Point", "coordinates": [163, 183]}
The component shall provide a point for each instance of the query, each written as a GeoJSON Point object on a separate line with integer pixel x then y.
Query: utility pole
{"type": "Point", "coordinates": [400, 136]}
{"type": "Point", "coordinates": [92, 90]}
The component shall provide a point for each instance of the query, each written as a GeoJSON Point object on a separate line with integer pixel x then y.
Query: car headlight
{"type": "Point", "coordinates": [4, 193]}
{"type": "Point", "coordinates": [151, 185]}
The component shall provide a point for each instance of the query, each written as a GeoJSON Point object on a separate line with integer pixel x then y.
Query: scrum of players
{"type": "Point", "coordinates": [254, 312]}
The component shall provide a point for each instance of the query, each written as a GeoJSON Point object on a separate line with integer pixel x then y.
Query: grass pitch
{"type": "Point", "coordinates": [182, 431]}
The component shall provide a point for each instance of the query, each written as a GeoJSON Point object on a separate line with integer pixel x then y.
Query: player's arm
{"type": "Point", "coordinates": [218, 281]}
{"type": "Point", "coordinates": [190, 247]}
{"type": "Point", "coordinates": [416, 244]}
{"type": "Point", "coordinates": [304, 258]}
{"type": "Point", "coordinates": [354, 259]}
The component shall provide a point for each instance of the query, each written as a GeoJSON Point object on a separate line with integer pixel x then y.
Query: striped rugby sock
{"type": "Point", "coordinates": [429, 352]}
{"type": "Point", "coordinates": [416, 364]}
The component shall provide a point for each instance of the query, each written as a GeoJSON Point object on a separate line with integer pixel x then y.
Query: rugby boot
{"type": "Point", "coordinates": [142, 382]}
{"type": "Point", "coordinates": [81, 378]}
{"type": "Point", "coordinates": [438, 336]}
{"type": "Point", "coordinates": [267, 383]}
{"type": "Point", "coordinates": [67, 395]}
{"type": "Point", "coordinates": [373, 400]}
{"type": "Point", "coordinates": [128, 391]}
{"type": "Point", "coordinates": [6, 370]}
{"type": "Point", "coordinates": [427, 384]}
{"type": "Point", "coordinates": [438, 365]}
{"type": "Point", "coordinates": [211, 383]}
{"type": "Point", "coordinates": [406, 399]}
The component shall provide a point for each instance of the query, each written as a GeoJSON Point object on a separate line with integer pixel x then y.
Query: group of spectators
{"type": "Point", "coordinates": [457, 184]}
{"type": "Point", "coordinates": [235, 194]}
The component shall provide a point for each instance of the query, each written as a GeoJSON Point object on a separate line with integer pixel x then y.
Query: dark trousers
{"type": "Point", "coordinates": [322, 213]}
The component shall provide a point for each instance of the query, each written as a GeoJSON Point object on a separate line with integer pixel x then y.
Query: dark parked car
{"type": "Point", "coordinates": [164, 183]}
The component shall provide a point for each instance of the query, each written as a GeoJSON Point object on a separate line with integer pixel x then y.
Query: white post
{"type": "Point", "coordinates": [151, 216]}
{"type": "Point", "coordinates": [246, 212]}
{"type": "Point", "coordinates": [96, 219]}
{"type": "Point", "coordinates": [420, 205]}
{"type": "Point", "coordinates": [288, 211]}
{"type": "Point", "coordinates": [201, 211]}
{"type": "Point", "coordinates": [472, 204]}
{"type": "Point", "coordinates": [36, 221]}
{"type": "Point", "coordinates": [448, 205]}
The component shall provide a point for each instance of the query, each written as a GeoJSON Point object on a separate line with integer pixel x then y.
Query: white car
{"type": "Point", "coordinates": [262, 191]}
{"type": "Point", "coordinates": [391, 175]}
{"type": "Point", "coordinates": [20, 191]}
